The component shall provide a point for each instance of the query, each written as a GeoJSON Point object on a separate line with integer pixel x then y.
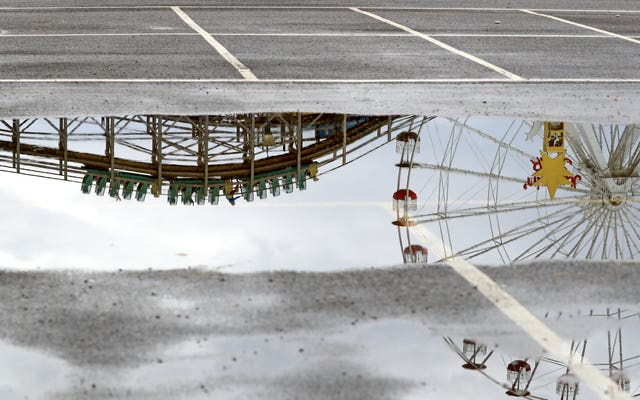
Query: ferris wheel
{"type": "Point", "coordinates": [507, 191]}
{"type": "Point", "coordinates": [536, 379]}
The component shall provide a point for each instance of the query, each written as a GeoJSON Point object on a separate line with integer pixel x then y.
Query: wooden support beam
{"type": "Point", "coordinates": [154, 128]}
{"type": "Point", "coordinates": [252, 158]}
{"type": "Point", "coordinates": [344, 139]}
{"type": "Point", "coordinates": [299, 147]}
{"type": "Point", "coordinates": [16, 144]}
{"type": "Point", "coordinates": [206, 154]}
{"type": "Point", "coordinates": [109, 146]}
{"type": "Point", "coordinates": [63, 131]}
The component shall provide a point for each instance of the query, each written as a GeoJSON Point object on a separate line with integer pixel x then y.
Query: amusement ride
{"type": "Point", "coordinates": [493, 190]}
{"type": "Point", "coordinates": [507, 191]}
{"type": "Point", "coordinates": [192, 160]}
{"type": "Point", "coordinates": [535, 379]}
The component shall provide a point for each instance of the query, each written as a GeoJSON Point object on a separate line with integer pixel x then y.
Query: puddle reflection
{"type": "Point", "coordinates": [26, 373]}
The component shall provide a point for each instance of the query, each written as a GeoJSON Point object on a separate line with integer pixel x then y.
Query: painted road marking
{"type": "Point", "coordinates": [244, 71]}
{"type": "Point", "coordinates": [97, 34]}
{"type": "Point", "coordinates": [256, 7]}
{"type": "Point", "coordinates": [523, 318]}
{"type": "Point", "coordinates": [566, 21]}
{"type": "Point", "coordinates": [319, 34]}
{"type": "Point", "coordinates": [438, 43]}
{"type": "Point", "coordinates": [462, 80]}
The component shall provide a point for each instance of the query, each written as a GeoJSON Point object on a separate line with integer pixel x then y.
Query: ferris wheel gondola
{"type": "Point", "coordinates": [405, 200]}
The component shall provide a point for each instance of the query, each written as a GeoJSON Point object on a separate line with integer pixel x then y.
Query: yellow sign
{"type": "Point", "coordinates": [552, 173]}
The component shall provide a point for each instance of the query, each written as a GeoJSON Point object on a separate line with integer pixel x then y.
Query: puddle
{"type": "Point", "coordinates": [28, 374]}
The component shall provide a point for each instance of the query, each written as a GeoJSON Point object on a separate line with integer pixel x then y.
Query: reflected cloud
{"type": "Point", "coordinates": [27, 373]}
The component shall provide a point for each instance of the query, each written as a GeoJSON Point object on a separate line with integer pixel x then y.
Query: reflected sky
{"type": "Point", "coordinates": [336, 223]}
{"type": "Point", "coordinates": [468, 177]}
{"type": "Point", "coordinates": [375, 332]}
{"type": "Point", "coordinates": [28, 373]}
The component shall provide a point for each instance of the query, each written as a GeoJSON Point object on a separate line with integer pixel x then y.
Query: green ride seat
{"type": "Point", "coordinates": [302, 181]}
{"type": "Point", "coordinates": [114, 188]}
{"type": "Point", "coordinates": [127, 192]}
{"type": "Point", "coordinates": [275, 187]}
{"type": "Point", "coordinates": [248, 194]}
{"type": "Point", "coordinates": [141, 192]}
{"type": "Point", "coordinates": [87, 181]}
{"type": "Point", "coordinates": [187, 195]}
{"type": "Point", "coordinates": [201, 195]}
{"type": "Point", "coordinates": [172, 196]}
{"type": "Point", "coordinates": [101, 186]}
{"type": "Point", "coordinates": [214, 194]}
{"type": "Point", "coordinates": [288, 183]}
{"type": "Point", "coordinates": [262, 189]}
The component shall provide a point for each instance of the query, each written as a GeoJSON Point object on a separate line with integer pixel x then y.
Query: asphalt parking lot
{"type": "Point", "coordinates": [83, 59]}
{"type": "Point", "coordinates": [326, 43]}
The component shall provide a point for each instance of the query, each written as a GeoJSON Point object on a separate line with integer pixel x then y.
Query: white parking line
{"type": "Point", "coordinates": [318, 34]}
{"type": "Point", "coordinates": [523, 35]}
{"type": "Point", "coordinates": [244, 71]}
{"type": "Point", "coordinates": [498, 9]}
{"type": "Point", "coordinates": [97, 34]}
{"type": "Point", "coordinates": [438, 43]}
{"type": "Point", "coordinates": [353, 81]}
{"type": "Point", "coordinates": [566, 21]}
{"type": "Point", "coordinates": [126, 80]}
{"type": "Point", "coordinates": [522, 317]}
{"type": "Point", "coordinates": [299, 7]}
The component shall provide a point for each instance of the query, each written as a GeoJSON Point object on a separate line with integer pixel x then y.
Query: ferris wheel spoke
{"type": "Point", "coordinates": [492, 139]}
{"type": "Point", "coordinates": [616, 225]}
{"type": "Point", "coordinates": [597, 227]}
{"type": "Point", "coordinates": [635, 206]}
{"type": "Point", "coordinates": [491, 209]}
{"type": "Point", "coordinates": [565, 231]}
{"type": "Point", "coordinates": [578, 246]}
{"type": "Point", "coordinates": [542, 246]}
{"type": "Point", "coordinates": [452, 144]}
{"type": "Point", "coordinates": [579, 148]}
{"type": "Point", "coordinates": [628, 231]}
{"type": "Point", "coordinates": [605, 241]}
{"type": "Point", "coordinates": [623, 150]}
{"type": "Point", "coordinates": [628, 240]}
{"type": "Point", "coordinates": [571, 189]}
{"type": "Point", "coordinates": [480, 174]}
{"type": "Point", "coordinates": [632, 223]}
{"type": "Point", "coordinates": [600, 228]}
{"type": "Point", "coordinates": [500, 242]}
{"type": "Point", "coordinates": [567, 236]}
{"type": "Point", "coordinates": [445, 232]}
{"type": "Point", "coordinates": [511, 235]}
{"type": "Point", "coordinates": [633, 219]}
{"type": "Point", "coordinates": [593, 145]}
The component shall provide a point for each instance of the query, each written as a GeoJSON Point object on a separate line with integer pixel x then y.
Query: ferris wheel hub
{"type": "Point", "coordinates": [614, 200]}
{"type": "Point", "coordinates": [617, 200]}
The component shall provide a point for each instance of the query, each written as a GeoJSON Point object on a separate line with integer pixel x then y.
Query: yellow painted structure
{"type": "Point", "coordinates": [552, 173]}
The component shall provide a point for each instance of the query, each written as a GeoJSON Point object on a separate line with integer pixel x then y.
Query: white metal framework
{"type": "Point", "coordinates": [196, 158]}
